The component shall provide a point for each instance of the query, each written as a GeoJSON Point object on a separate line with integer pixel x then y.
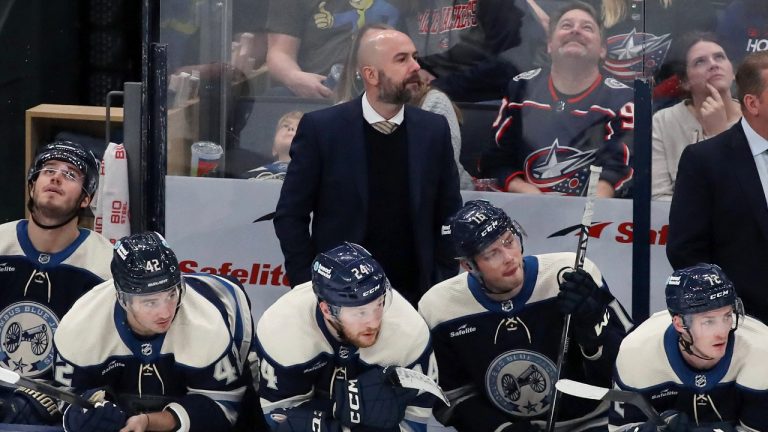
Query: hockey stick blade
{"type": "Point", "coordinates": [587, 391]}
{"type": "Point", "coordinates": [15, 379]}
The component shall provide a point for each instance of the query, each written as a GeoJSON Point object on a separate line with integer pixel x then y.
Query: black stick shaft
{"type": "Point", "coordinates": [581, 252]}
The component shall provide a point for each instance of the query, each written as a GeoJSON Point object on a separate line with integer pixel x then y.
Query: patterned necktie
{"type": "Point", "coordinates": [385, 127]}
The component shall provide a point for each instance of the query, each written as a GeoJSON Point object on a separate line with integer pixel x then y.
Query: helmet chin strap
{"type": "Point", "coordinates": [686, 346]}
{"type": "Point", "coordinates": [54, 226]}
{"type": "Point", "coordinates": [72, 215]}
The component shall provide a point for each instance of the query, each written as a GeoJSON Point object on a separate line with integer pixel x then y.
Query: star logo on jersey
{"type": "Point", "coordinates": [559, 169]}
{"type": "Point", "coordinates": [18, 366]}
{"type": "Point", "coordinates": [636, 54]}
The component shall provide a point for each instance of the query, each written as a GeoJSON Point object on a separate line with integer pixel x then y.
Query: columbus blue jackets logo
{"type": "Point", "coordinates": [520, 382]}
{"type": "Point", "coordinates": [26, 335]}
{"type": "Point", "coordinates": [559, 169]}
{"type": "Point", "coordinates": [635, 55]}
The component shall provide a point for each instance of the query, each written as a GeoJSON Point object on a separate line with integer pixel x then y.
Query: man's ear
{"type": "Point", "coordinates": [325, 309]}
{"type": "Point", "coordinates": [370, 74]}
{"type": "Point", "coordinates": [85, 202]}
{"type": "Point", "coordinates": [751, 103]}
{"type": "Point", "coordinates": [677, 322]}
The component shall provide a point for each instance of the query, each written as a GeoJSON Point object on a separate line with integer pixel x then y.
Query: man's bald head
{"type": "Point", "coordinates": [371, 40]}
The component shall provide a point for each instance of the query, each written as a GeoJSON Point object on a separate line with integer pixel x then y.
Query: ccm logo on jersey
{"type": "Point", "coordinates": [354, 401]}
{"type": "Point", "coordinates": [720, 294]}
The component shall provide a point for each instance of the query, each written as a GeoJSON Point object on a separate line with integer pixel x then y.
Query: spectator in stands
{"type": "Point", "coordinates": [706, 75]}
{"type": "Point", "coordinates": [373, 171]}
{"type": "Point", "coordinates": [46, 264]}
{"type": "Point", "coordinates": [719, 213]}
{"type": "Point", "coordinates": [281, 146]}
{"type": "Point", "coordinates": [554, 123]}
{"type": "Point", "coordinates": [308, 40]}
{"type": "Point", "coordinates": [743, 28]}
{"type": "Point", "coordinates": [426, 97]}
{"type": "Point", "coordinates": [470, 49]}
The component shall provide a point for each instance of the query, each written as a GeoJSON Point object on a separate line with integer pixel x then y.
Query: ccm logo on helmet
{"type": "Point", "coordinates": [490, 227]}
{"type": "Point", "coordinates": [720, 294]}
{"type": "Point", "coordinates": [365, 294]}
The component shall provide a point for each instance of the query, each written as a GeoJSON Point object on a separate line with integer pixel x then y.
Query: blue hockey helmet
{"type": "Point", "coordinates": [348, 276]}
{"type": "Point", "coordinates": [477, 225]}
{"type": "Point", "coordinates": [144, 264]}
{"type": "Point", "coordinates": [71, 152]}
{"type": "Point", "coordinates": [699, 288]}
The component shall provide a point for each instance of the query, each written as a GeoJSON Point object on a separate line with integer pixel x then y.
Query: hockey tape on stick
{"type": "Point", "coordinates": [581, 252]}
{"type": "Point", "coordinates": [416, 380]}
{"type": "Point", "coordinates": [17, 380]}
{"type": "Point", "coordinates": [587, 391]}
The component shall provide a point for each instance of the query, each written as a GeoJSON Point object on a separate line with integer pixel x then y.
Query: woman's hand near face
{"type": "Point", "coordinates": [714, 118]}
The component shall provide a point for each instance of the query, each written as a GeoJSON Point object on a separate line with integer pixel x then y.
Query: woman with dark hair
{"type": "Point", "coordinates": [706, 75]}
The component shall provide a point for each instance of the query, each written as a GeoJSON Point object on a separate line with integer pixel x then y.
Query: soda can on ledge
{"type": "Point", "coordinates": [205, 158]}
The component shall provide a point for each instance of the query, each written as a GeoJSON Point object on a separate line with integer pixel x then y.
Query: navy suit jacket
{"type": "Point", "coordinates": [719, 215]}
{"type": "Point", "coordinates": [328, 178]}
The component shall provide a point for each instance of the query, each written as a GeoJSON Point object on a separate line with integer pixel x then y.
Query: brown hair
{"type": "Point", "coordinates": [679, 58]}
{"type": "Point", "coordinates": [749, 77]}
{"type": "Point", "coordinates": [615, 11]}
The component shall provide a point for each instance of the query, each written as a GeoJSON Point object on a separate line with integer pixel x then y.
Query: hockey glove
{"type": "Point", "coordinates": [303, 419]}
{"type": "Point", "coordinates": [372, 399]}
{"type": "Point", "coordinates": [103, 417]}
{"type": "Point", "coordinates": [29, 407]}
{"type": "Point", "coordinates": [676, 422]}
{"type": "Point", "coordinates": [587, 304]}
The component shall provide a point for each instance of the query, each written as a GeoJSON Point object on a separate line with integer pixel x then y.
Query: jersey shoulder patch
{"type": "Point", "coordinates": [527, 75]}
{"type": "Point", "coordinates": [615, 84]}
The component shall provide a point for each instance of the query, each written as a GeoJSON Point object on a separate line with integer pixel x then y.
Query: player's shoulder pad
{"type": "Point", "coordinates": [198, 336]}
{"type": "Point", "coordinates": [749, 354]}
{"type": "Point", "coordinates": [448, 300]}
{"type": "Point", "coordinates": [404, 336]}
{"type": "Point", "coordinates": [9, 243]}
{"type": "Point", "coordinates": [642, 360]}
{"type": "Point", "coordinates": [613, 83]}
{"type": "Point", "coordinates": [94, 255]}
{"type": "Point", "coordinates": [527, 75]}
{"type": "Point", "coordinates": [292, 318]}
{"type": "Point", "coordinates": [86, 334]}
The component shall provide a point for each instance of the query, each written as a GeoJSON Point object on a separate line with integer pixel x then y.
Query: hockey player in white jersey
{"type": "Point", "coordinates": [46, 263]}
{"type": "Point", "coordinates": [327, 349]}
{"type": "Point", "coordinates": [169, 349]}
{"type": "Point", "coordinates": [496, 329]}
{"type": "Point", "coordinates": [704, 368]}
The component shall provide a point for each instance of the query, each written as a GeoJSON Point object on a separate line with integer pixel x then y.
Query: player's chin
{"type": "Point", "coordinates": [718, 350]}
{"type": "Point", "coordinates": [367, 339]}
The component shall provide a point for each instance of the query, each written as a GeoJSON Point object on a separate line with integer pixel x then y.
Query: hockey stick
{"type": "Point", "coordinates": [587, 391]}
{"type": "Point", "coordinates": [581, 251]}
{"type": "Point", "coordinates": [17, 380]}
